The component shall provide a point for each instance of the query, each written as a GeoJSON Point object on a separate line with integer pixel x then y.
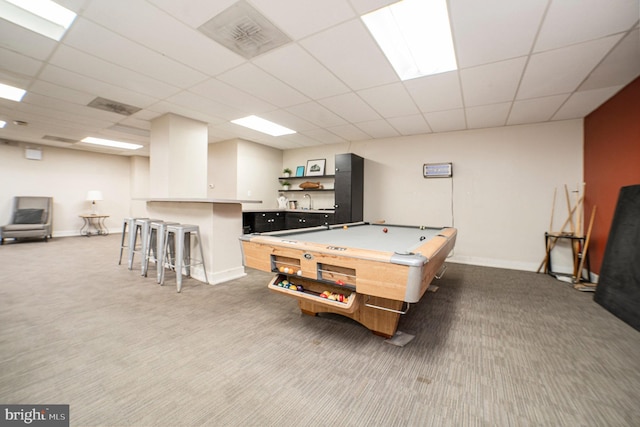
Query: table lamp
{"type": "Point", "coordinates": [93, 195]}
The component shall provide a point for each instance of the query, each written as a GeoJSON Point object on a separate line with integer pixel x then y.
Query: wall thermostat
{"type": "Point", "coordinates": [438, 170]}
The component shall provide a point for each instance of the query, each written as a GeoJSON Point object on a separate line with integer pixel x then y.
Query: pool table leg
{"type": "Point", "coordinates": [380, 322]}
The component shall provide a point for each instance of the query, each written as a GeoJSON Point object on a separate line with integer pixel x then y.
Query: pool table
{"type": "Point", "coordinates": [368, 272]}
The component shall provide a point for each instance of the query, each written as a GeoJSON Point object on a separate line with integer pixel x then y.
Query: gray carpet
{"type": "Point", "coordinates": [492, 348]}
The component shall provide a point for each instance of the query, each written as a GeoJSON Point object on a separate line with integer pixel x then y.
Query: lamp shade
{"type": "Point", "coordinates": [94, 195]}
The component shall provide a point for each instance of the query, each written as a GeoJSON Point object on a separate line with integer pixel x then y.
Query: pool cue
{"type": "Point", "coordinates": [571, 211]}
{"type": "Point", "coordinates": [575, 244]}
{"type": "Point", "coordinates": [586, 244]}
{"type": "Point", "coordinates": [553, 208]}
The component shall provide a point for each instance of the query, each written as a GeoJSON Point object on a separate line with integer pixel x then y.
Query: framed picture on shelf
{"type": "Point", "coordinates": [300, 171]}
{"type": "Point", "coordinates": [316, 167]}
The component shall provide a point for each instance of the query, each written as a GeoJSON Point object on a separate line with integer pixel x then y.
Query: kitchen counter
{"type": "Point", "coordinates": [290, 210]}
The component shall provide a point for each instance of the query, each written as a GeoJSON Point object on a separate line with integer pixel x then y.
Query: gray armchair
{"type": "Point", "coordinates": [32, 217]}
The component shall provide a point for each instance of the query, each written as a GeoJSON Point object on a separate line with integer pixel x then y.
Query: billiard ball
{"type": "Point", "coordinates": [384, 230]}
{"type": "Point", "coordinates": [422, 238]}
{"type": "Point", "coordinates": [344, 227]}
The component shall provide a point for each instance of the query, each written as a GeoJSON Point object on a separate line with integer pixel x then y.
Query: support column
{"type": "Point", "coordinates": [178, 157]}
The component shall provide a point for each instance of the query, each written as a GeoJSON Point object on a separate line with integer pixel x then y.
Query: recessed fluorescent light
{"type": "Point", "coordinates": [110, 143]}
{"type": "Point", "coordinates": [415, 35]}
{"type": "Point", "coordinates": [12, 93]}
{"type": "Point", "coordinates": [42, 16]}
{"type": "Point", "coordinates": [262, 125]}
{"type": "Point", "coordinates": [2, 124]}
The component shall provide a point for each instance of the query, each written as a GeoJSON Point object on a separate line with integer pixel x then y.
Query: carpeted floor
{"type": "Point", "coordinates": [492, 348]}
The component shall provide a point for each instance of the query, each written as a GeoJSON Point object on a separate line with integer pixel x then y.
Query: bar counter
{"type": "Point", "coordinates": [220, 222]}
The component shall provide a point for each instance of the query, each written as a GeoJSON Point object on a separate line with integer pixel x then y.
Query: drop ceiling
{"type": "Point", "coordinates": [525, 61]}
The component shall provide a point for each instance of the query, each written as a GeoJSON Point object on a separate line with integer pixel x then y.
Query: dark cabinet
{"type": "Point", "coordinates": [260, 222]}
{"type": "Point", "coordinates": [304, 219]}
{"type": "Point", "coordinates": [349, 188]}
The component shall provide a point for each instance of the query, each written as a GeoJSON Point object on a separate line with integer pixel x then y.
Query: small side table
{"type": "Point", "coordinates": [95, 222]}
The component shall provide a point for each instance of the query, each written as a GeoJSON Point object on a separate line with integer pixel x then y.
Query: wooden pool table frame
{"type": "Point", "coordinates": [380, 286]}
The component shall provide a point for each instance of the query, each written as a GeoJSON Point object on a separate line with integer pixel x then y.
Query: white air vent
{"type": "Point", "coordinates": [113, 106]}
{"type": "Point", "coordinates": [242, 29]}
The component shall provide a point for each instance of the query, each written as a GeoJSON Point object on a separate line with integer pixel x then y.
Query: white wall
{"type": "Point", "coordinates": [244, 170]}
{"type": "Point", "coordinates": [256, 171]}
{"type": "Point", "coordinates": [66, 175]}
{"type": "Point", "coordinates": [499, 198]}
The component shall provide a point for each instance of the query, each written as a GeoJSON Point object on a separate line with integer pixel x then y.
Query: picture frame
{"type": "Point", "coordinates": [315, 167]}
{"type": "Point", "coordinates": [300, 171]}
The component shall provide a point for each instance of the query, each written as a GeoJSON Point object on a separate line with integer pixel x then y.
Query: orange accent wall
{"type": "Point", "coordinates": [611, 161]}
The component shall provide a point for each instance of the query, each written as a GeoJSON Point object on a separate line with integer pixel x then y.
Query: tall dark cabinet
{"type": "Point", "coordinates": [349, 188]}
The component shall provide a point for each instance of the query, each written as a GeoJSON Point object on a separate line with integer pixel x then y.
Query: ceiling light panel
{"type": "Point", "coordinates": [11, 93]}
{"type": "Point", "coordinates": [44, 17]}
{"type": "Point", "coordinates": [415, 35]}
{"type": "Point", "coordinates": [262, 125]}
{"type": "Point", "coordinates": [111, 143]}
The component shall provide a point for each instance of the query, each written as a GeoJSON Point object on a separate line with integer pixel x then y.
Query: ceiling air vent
{"type": "Point", "coordinates": [60, 139]}
{"type": "Point", "coordinates": [113, 106]}
{"type": "Point", "coordinates": [243, 30]}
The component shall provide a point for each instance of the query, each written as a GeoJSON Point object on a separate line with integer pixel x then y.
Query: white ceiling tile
{"type": "Point", "coordinates": [71, 80]}
{"type": "Point", "coordinates": [18, 39]}
{"type": "Point", "coordinates": [164, 34]}
{"type": "Point", "coordinates": [62, 114]}
{"type": "Point", "coordinates": [436, 93]}
{"type": "Point", "coordinates": [620, 67]}
{"type": "Point", "coordinates": [582, 103]}
{"type": "Point", "coordinates": [207, 106]}
{"type": "Point", "coordinates": [19, 64]}
{"type": "Point", "coordinates": [350, 107]}
{"type": "Point", "coordinates": [299, 69]}
{"type": "Point", "coordinates": [494, 30]}
{"type": "Point", "coordinates": [378, 129]}
{"type": "Point", "coordinates": [231, 96]}
{"type": "Point", "coordinates": [259, 83]}
{"type": "Point", "coordinates": [317, 114]}
{"type": "Point", "coordinates": [542, 76]}
{"type": "Point", "coordinates": [323, 136]}
{"type": "Point", "coordinates": [597, 18]}
{"type": "Point", "coordinates": [300, 18]}
{"type": "Point", "coordinates": [410, 125]}
{"type": "Point", "coordinates": [351, 53]}
{"type": "Point", "coordinates": [366, 6]}
{"type": "Point", "coordinates": [446, 121]}
{"type": "Point", "coordinates": [390, 100]}
{"type": "Point", "coordinates": [55, 91]}
{"type": "Point", "coordinates": [349, 132]}
{"type": "Point", "coordinates": [297, 140]}
{"type": "Point", "coordinates": [286, 119]}
{"type": "Point", "coordinates": [492, 83]}
{"type": "Point", "coordinates": [535, 110]}
{"type": "Point", "coordinates": [111, 47]}
{"type": "Point", "coordinates": [193, 12]}
{"type": "Point", "coordinates": [102, 72]}
{"type": "Point", "coordinates": [164, 107]}
{"type": "Point", "coordinates": [487, 116]}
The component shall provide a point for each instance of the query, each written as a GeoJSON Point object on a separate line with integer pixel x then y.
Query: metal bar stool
{"type": "Point", "coordinates": [127, 224]}
{"type": "Point", "coordinates": [155, 245]}
{"type": "Point", "coordinates": [140, 227]}
{"type": "Point", "coordinates": [181, 236]}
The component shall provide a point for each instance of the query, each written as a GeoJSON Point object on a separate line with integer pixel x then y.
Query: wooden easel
{"type": "Point", "coordinates": [579, 243]}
